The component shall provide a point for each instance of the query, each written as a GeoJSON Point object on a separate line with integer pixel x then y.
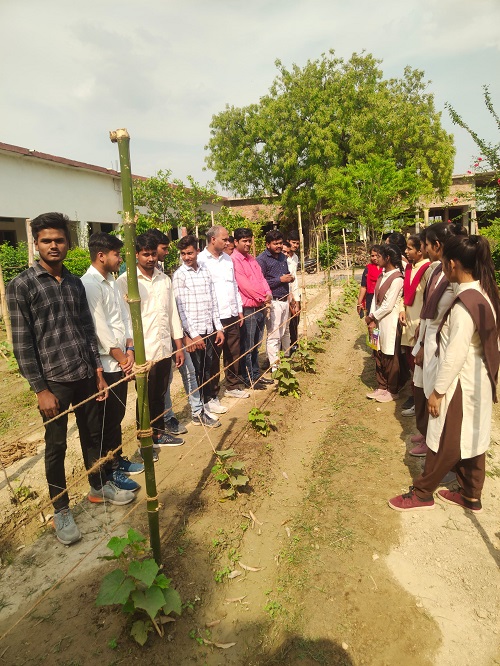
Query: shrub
{"type": "Point", "coordinates": [77, 261]}
{"type": "Point", "coordinates": [323, 253]}
{"type": "Point", "coordinates": [13, 260]}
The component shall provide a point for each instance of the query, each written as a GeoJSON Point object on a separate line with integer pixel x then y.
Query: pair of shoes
{"type": "Point", "coordinates": [215, 407]}
{"type": "Point", "coordinates": [420, 451]}
{"type": "Point", "coordinates": [454, 497]}
{"type": "Point", "coordinates": [385, 396]}
{"type": "Point", "coordinates": [123, 482]}
{"type": "Point", "coordinates": [410, 502]}
{"type": "Point", "coordinates": [448, 478]}
{"type": "Point", "coordinates": [375, 393]}
{"type": "Point", "coordinates": [110, 493]}
{"type": "Point", "coordinates": [174, 427]}
{"type": "Point", "coordinates": [236, 393]}
{"type": "Point", "coordinates": [265, 380]}
{"type": "Point", "coordinates": [260, 386]}
{"type": "Point", "coordinates": [408, 412]}
{"type": "Point", "coordinates": [155, 454]}
{"type": "Point", "coordinates": [66, 530]}
{"type": "Point", "coordinates": [129, 468]}
{"type": "Point", "coordinates": [206, 420]}
{"type": "Point", "coordinates": [409, 402]}
{"type": "Point", "coordinates": [164, 439]}
{"type": "Point", "coordinates": [416, 439]}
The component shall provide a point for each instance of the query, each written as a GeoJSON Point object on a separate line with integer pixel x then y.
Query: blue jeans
{"type": "Point", "coordinates": [190, 386]}
{"type": "Point", "coordinates": [252, 333]}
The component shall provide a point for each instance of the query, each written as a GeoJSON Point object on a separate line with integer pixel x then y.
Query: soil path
{"type": "Point", "coordinates": [341, 579]}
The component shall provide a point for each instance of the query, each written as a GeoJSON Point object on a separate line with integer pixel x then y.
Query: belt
{"type": "Point", "coordinates": [279, 298]}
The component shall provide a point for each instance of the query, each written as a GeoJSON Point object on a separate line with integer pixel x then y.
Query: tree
{"type": "Point", "coordinates": [327, 115]}
{"type": "Point", "coordinates": [369, 192]}
{"type": "Point", "coordinates": [170, 203]}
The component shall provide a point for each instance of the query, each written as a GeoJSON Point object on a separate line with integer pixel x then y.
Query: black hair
{"type": "Point", "coordinates": [103, 242]}
{"type": "Point", "coordinates": [146, 242]}
{"type": "Point", "coordinates": [242, 232]}
{"type": "Point", "coordinates": [375, 248]}
{"type": "Point", "coordinates": [458, 229]}
{"type": "Point", "coordinates": [287, 243]}
{"type": "Point", "coordinates": [393, 253]}
{"type": "Point", "coordinates": [293, 235]}
{"type": "Point", "coordinates": [415, 241]}
{"type": "Point", "coordinates": [187, 241]}
{"type": "Point", "coordinates": [161, 238]}
{"type": "Point", "coordinates": [423, 236]}
{"type": "Point", "coordinates": [273, 235]}
{"type": "Point", "coordinates": [473, 253]}
{"type": "Point", "coordinates": [397, 238]}
{"type": "Point", "coordinates": [439, 232]}
{"type": "Point", "coordinates": [50, 221]}
{"type": "Point", "coordinates": [231, 239]}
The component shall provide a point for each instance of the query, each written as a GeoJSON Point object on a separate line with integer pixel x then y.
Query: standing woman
{"type": "Point", "coordinates": [384, 315]}
{"type": "Point", "coordinates": [460, 405]}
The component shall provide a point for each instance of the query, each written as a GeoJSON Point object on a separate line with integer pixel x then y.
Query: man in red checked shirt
{"type": "Point", "coordinates": [256, 296]}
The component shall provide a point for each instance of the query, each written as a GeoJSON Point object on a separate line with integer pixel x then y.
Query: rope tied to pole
{"type": "Point", "coordinates": [144, 434]}
{"type": "Point", "coordinates": [142, 368]}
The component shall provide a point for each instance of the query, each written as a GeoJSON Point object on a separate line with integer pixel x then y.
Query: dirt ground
{"type": "Point", "coordinates": [341, 578]}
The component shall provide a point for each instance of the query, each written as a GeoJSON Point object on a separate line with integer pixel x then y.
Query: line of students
{"type": "Point", "coordinates": [453, 338]}
{"type": "Point", "coordinates": [73, 337]}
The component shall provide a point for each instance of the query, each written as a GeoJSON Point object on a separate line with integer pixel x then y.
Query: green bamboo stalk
{"type": "Point", "coordinates": [122, 138]}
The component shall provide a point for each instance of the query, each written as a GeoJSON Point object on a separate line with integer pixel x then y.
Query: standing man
{"type": "Point", "coordinates": [116, 348]}
{"type": "Point", "coordinates": [197, 303]}
{"type": "Point", "coordinates": [277, 274]}
{"type": "Point", "coordinates": [56, 348]}
{"type": "Point", "coordinates": [256, 297]}
{"type": "Point", "coordinates": [290, 338]}
{"type": "Point", "coordinates": [230, 307]}
{"type": "Point", "coordinates": [293, 261]}
{"type": "Point", "coordinates": [161, 324]}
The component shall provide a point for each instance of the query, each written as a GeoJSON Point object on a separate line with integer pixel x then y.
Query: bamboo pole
{"type": "Point", "coordinates": [29, 240]}
{"type": "Point", "coordinates": [303, 303]}
{"type": "Point", "coordinates": [345, 252]}
{"type": "Point", "coordinates": [122, 138]}
{"type": "Point", "coordinates": [328, 269]}
{"type": "Point", "coordinates": [317, 253]}
{"type": "Point", "coordinates": [5, 309]}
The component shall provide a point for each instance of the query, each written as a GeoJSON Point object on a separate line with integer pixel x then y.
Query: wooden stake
{"type": "Point", "coordinates": [303, 303]}
{"type": "Point", "coordinates": [29, 239]}
{"type": "Point", "coordinates": [122, 138]}
{"type": "Point", "coordinates": [345, 251]}
{"type": "Point", "coordinates": [5, 309]}
{"type": "Point", "coordinates": [328, 269]}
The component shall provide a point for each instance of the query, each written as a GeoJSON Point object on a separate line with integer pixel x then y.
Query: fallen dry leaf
{"type": "Point", "coordinates": [165, 618]}
{"type": "Point", "coordinates": [214, 623]}
{"type": "Point", "coordinates": [224, 646]}
{"type": "Point", "coordinates": [255, 519]}
{"type": "Point", "coordinates": [234, 600]}
{"type": "Point", "coordinates": [285, 475]}
{"type": "Point", "coordinates": [247, 568]}
{"type": "Point", "coordinates": [287, 530]}
{"type": "Point", "coordinates": [234, 574]}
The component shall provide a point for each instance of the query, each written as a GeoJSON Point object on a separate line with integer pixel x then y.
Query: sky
{"type": "Point", "coordinates": [70, 72]}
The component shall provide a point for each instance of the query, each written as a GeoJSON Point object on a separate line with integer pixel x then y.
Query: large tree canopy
{"type": "Point", "coordinates": [328, 115]}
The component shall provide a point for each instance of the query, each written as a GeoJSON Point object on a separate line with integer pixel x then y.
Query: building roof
{"type": "Point", "coordinates": [29, 152]}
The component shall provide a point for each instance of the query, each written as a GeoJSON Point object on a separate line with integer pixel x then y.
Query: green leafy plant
{"type": "Point", "coordinates": [260, 421]}
{"type": "Point", "coordinates": [315, 345]}
{"type": "Point", "coordinates": [228, 473]}
{"type": "Point", "coordinates": [303, 359]}
{"type": "Point", "coordinates": [138, 586]}
{"type": "Point", "coordinates": [77, 261]}
{"type": "Point", "coordinates": [221, 575]}
{"type": "Point", "coordinates": [7, 352]}
{"type": "Point", "coordinates": [13, 260]}
{"type": "Point", "coordinates": [288, 383]}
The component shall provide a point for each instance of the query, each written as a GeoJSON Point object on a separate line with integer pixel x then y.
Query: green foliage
{"type": "Point", "coordinates": [232, 220]}
{"type": "Point", "coordinates": [171, 203]}
{"type": "Point", "coordinates": [7, 351]}
{"type": "Point", "coordinates": [303, 359]}
{"type": "Point", "coordinates": [492, 232]}
{"type": "Point", "coordinates": [328, 253]}
{"type": "Point", "coordinates": [288, 383]}
{"type": "Point", "coordinates": [77, 261]}
{"type": "Point", "coordinates": [371, 191]}
{"type": "Point", "coordinates": [137, 585]}
{"type": "Point", "coordinates": [228, 473]}
{"type": "Point", "coordinates": [221, 575]}
{"type": "Point", "coordinates": [13, 260]}
{"type": "Point", "coordinates": [325, 116]}
{"type": "Point", "coordinates": [260, 421]}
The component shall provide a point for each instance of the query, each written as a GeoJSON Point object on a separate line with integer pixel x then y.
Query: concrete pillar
{"type": "Point", "coordinates": [417, 222]}
{"type": "Point", "coordinates": [426, 217]}
{"type": "Point", "coordinates": [446, 216]}
{"type": "Point", "coordinates": [473, 221]}
{"type": "Point", "coordinates": [82, 232]}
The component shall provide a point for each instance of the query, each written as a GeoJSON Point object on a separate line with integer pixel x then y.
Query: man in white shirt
{"type": "Point", "coordinates": [230, 306]}
{"type": "Point", "coordinates": [197, 304]}
{"type": "Point", "coordinates": [161, 325]}
{"type": "Point", "coordinates": [116, 350]}
{"type": "Point", "coordinates": [289, 343]}
{"type": "Point", "coordinates": [293, 260]}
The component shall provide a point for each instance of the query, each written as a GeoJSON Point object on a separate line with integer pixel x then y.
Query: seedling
{"type": "Point", "coordinates": [228, 473]}
{"type": "Point", "coordinates": [303, 359]}
{"type": "Point", "coordinates": [138, 586]}
{"type": "Point", "coordinates": [287, 382]}
{"type": "Point", "coordinates": [260, 421]}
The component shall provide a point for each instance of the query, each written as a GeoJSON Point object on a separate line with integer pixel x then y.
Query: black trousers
{"type": "Point", "coordinates": [158, 381]}
{"type": "Point", "coordinates": [230, 351]}
{"type": "Point", "coordinates": [111, 412]}
{"type": "Point", "coordinates": [203, 360]}
{"type": "Point", "coordinates": [294, 325]}
{"type": "Point", "coordinates": [89, 429]}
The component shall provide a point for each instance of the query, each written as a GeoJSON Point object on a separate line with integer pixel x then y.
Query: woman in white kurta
{"type": "Point", "coordinates": [458, 433]}
{"type": "Point", "coordinates": [384, 315]}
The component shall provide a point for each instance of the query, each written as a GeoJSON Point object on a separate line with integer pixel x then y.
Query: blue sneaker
{"type": "Point", "coordinates": [155, 454]}
{"type": "Point", "coordinates": [123, 482]}
{"type": "Point", "coordinates": [129, 468]}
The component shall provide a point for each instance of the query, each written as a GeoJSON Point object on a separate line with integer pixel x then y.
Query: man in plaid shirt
{"type": "Point", "coordinates": [197, 304]}
{"type": "Point", "coordinates": [56, 348]}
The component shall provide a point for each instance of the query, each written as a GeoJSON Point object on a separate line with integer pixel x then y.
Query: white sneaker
{"type": "Point", "coordinates": [215, 407]}
{"type": "Point", "coordinates": [236, 393]}
{"type": "Point", "coordinates": [408, 412]}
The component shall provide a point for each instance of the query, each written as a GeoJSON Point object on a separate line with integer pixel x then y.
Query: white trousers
{"type": "Point", "coordinates": [276, 326]}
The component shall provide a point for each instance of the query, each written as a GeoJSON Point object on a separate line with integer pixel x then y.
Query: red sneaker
{"type": "Point", "coordinates": [416, 439]}
{"type": "Point", "coordinates": [410, 502]}
{"type": "Point", "coordinates": [420, 451]}
{"type": "Point", "coordinates": [454, 497]}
